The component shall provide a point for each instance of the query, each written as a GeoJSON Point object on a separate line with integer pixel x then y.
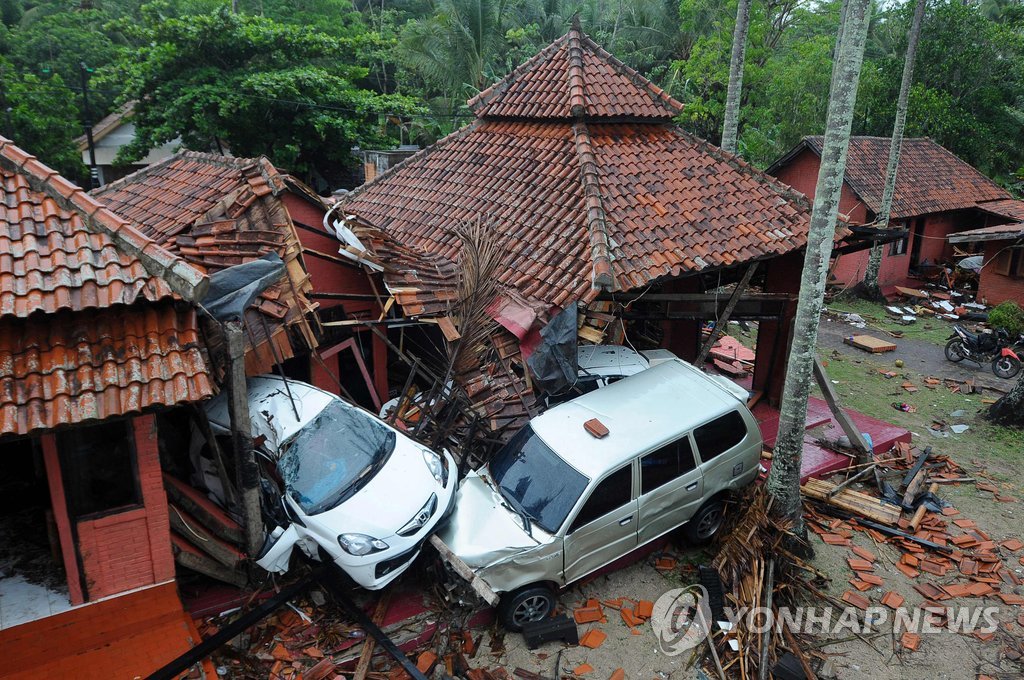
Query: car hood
{"type": "Point", "coordinates": [482, 531]}
{"type": "Point", "coordinates": [388, 501]}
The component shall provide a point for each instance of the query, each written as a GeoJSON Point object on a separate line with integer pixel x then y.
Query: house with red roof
{"type": "Point", "coordinates": [591, 194]}
{"type": "Point", "coordinates": [218, 211]}
{"type": "Point", "coordinates": [99, 336]}
{"type": "Point", "coordinates": [937, 195]}
{"type": "Point", "coordinates": [1001, 247]}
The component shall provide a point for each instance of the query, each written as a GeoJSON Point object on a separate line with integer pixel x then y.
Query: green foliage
{"type": "Point", "coordinates": [37, 120]}
{"type": "Point", "coordinates": [1008, 316]}
{"type": "Point", "coordinates": [254, 86]}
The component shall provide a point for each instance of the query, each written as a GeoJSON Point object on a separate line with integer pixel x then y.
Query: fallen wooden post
{"type": "Point", "coordinates": [723, 321]}
{"type": "Point", "coordinates": [850, 480]}
{"type": "Point", "coordinates": [857, 440]}
{"type": "Point", "coordinates": [478, 585]}
{"type": "Point", "coordinates": [915, 521]}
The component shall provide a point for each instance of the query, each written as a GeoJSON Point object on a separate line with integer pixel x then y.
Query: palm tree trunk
{"type": "Point", "coordinates": [1009, 409]}
{"type": "Point", "coordinates": [784, 479]}
{"type": "Point", "coordinates": [732, 99]}
{"type": "Point", "coordinates": [871, 288]}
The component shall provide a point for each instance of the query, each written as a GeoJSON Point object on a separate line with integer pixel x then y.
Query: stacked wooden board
{"type": "Point", "coordinates": [854, 502]}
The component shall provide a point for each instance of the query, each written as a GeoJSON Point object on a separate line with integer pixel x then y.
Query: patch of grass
{"type": "Point", "coordinates": [926, 328]}
{"type": "Point", "coordinates": [861, 387]}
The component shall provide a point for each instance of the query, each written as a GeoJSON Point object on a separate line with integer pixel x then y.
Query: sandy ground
{"type": "Point", "coordinates": [637, 655]}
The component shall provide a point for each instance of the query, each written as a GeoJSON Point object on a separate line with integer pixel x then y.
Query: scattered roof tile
{"type": "Point", "coordinates": [930, 178]}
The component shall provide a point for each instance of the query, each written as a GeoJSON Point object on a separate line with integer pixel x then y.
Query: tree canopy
{"type": "Point", "coordinates": [303, 81]}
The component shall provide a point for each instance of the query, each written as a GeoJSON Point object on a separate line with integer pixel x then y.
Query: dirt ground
{"type": "Point", "coordinates": [984, 451]}
{"type": "Point", "coordinates": [637, 654]}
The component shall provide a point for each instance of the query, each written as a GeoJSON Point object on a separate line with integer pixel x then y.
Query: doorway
{"type": "Point", "coordinates": [33, 584]}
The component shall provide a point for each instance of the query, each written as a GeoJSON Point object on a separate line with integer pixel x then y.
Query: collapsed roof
{"type": "Point", "coordinates": [216, 212]}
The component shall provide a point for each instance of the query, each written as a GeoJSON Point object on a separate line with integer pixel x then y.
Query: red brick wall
{"type": "Point", "coordinates": [130, 549]}
{"type": "Point", "coordinates": [993, 287]}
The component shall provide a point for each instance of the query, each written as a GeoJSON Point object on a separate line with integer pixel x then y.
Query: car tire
{"type": "Point", "coordinates": [954, 350]}
{"type": "Point", "coordinates": [526, 605]}
{"type": "Point", "coordinates": [703, 526]}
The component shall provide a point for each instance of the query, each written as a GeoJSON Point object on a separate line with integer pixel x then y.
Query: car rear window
{"type": "Point", "coordinates": [544, 485]}
{"type": "Point", "coordinates": [719, 435]}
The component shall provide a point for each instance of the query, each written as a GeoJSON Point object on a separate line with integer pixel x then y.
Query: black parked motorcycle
{"type": "Point", "coordinates": [982, 347]}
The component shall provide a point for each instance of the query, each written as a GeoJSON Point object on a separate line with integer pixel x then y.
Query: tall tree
{"type": "Point", "coordinates": [256, 87]}
{"type": "Point", "coordinates": [784, 478]}
{"type": "Point", "coordinates": [736, 63]}
{"type": "Point", "coordinates": [870, 287]}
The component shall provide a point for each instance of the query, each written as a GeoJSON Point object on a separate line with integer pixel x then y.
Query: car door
{"type": "Point", "coordinates": [671, 489]}
{"type": "Point", "coordinates": [604, 529]}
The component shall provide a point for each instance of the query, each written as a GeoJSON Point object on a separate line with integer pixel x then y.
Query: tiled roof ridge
{"type": "Point", "coordinates": [422, 153]}
{"type": "Point", "coordinates": [181, 277]}
{"type": "Point", "coordinates": [602, 277]}
{"type": "Point", "coordinates": [577, 100]}
{"type": "Point", "coordinates": [674, 106]}
{"type": "Point", "coordinates": [577, 42]}
{"type": "Point", "coordinates": [484, 97]}
{"type": "Point", "coordinates": [736, 162]}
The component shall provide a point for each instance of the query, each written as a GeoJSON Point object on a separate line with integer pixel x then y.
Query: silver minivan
{"type": "Point", "coordinates": [557, 502]}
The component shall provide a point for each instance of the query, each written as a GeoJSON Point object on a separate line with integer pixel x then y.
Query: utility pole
{"type": "Point", "coordinates": [94, 174]}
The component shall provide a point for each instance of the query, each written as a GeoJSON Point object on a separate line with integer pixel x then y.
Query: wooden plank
{"type": "Point", "coordinates": [723, 321]}
{"type": "Point", "coordinates": [465, 571]}
{"type": "Point", "coordinates": [860, 444]}
{"type": "Point", "coordinates": [189, 556]}
{"type": "Point", "coordinates": [870, 343]}
{"type": "Point", "coordinates": [853, 501]}
{"type": "Point", "coordinates": [196, 534]}
{"type": "Point", "coordinates": [911, 293]}
{"type": "Point", "coordinates": [202, 508]}
{"type": "Point", "coordinates": [366, 655]}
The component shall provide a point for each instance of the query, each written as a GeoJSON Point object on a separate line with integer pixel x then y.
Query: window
{"type": "Point", "coordinates": [98, 466]}
{"type": "Point", "coordinates": [615, 491]}
{"type": "Point", "coordinates": [544, 485]}
{"type": "Point", "coordinates": [665, 464]}
{"type": "Point", "coordinates": [899, 247]}
{"type": "Point", "coordinates": [1009, 262]}
{"type": "Point", "coordinates": [720, 435]}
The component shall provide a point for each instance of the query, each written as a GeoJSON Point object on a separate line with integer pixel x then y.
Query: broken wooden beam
{"type": "Point", "coordinates": [723, 321]}
{"type": "Point", "coordinates": [857, 440]}
{"type": "Point", "coordinates": [479, 586]}
{"type": "Point", "coordinates": [853, 501]}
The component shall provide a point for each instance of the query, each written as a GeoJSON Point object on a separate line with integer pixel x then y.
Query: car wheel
{"type": "Point", "coordinates": [705, 524]}
{"type": "Point", "coordinates": [526, 605]}
{"type": "Point", "coordinates": [1006, 367]}
{"type": "Point", "coordinates": [954, 350]}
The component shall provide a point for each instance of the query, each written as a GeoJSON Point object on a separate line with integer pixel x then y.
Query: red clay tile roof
{"type": "Point", "coordinates": [1003, 231]}
{"type": "Point", "coordinates": [70, 367]}
{"type": "Point", "coordinates": [672, 204]}
{"type": "Point", "coordinates": [1010, 208]}
{"type": "Point", "coordinates": [572, 77]}
{"type": "Point", "coordinates": [89, 323]}
{"type": "Point", "coordinates": [215, 212]}
{"type": "Point", "coordinates": [930, 178]}
{"type": "Point", "coordinates": [60, 249]}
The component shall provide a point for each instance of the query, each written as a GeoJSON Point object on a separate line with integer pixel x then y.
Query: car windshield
{"type": "Point", "coordinates": [543, 484]}
{"type": "Point", "coordinates": [334, 456]}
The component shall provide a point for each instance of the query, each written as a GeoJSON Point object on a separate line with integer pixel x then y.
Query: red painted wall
{"type": "Point", "coordinates": [802, 174]}
{"type": "Point", "coordinates": [123, 550]}
{"type": "Point", "coordinates": [993, 287]}
{"type": "Point", "coordinates": [330, 274]}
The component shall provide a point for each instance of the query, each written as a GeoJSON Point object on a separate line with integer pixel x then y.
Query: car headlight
{"type": "Point", "coordinates": [361, 544]}
{"type": "Point", "coordinates": [437, 465]}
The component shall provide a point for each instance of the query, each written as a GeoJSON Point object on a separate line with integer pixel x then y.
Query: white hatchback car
{"type": "Point", "coordinates": [360, 491]}
{"type": "Point", "coordinates": [557, 503]}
